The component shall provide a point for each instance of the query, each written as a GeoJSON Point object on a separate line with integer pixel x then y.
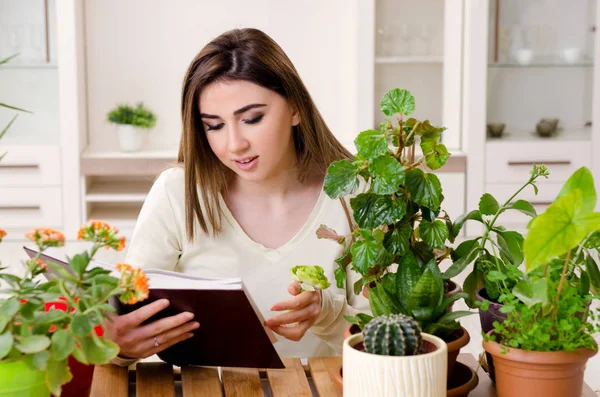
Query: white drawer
{"type": "Point", "coordinates": [24, 208]}
{"type": "Point", "coordinates": [511, 162]}
{"type": "Point", "coordinates": [516, 220]}
{"type": "Point", "coordinates": [26, 165]}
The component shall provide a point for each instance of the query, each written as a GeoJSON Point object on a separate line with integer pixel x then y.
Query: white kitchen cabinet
{"type": "Point", "coordinates": [526, 61]}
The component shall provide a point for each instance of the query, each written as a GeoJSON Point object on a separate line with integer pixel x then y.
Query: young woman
{"type": "Point", "coordinates": [245, 200]}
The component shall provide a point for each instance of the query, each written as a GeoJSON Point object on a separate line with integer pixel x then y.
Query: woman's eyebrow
{"type": "Point", "coordinates": [239, 111]}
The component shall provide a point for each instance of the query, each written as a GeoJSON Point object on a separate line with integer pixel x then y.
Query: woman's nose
{"type": "Point", "coordinates": [236, 142]}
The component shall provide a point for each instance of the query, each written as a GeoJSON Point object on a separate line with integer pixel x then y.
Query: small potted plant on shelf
{"type": "Point", "coordinates": [49, 328]}
{"type": "Point", "coordinates": [541, 348]}
{"type": "Point", "coordinates": [392, 358]}
{"type": "Point", "coordinates": [400, 231]}
{"type": "Point", "coordinates": [132, 123]}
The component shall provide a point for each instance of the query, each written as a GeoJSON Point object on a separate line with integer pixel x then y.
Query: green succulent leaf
{"type": "Point", "coordinates": [81, 325]}
{"type": "Point", "coordinates": [37, 361]}
{"type": "Point", "coordinates": [79, 263]}
{"type": "Point", "coordinates": [427, 294]}
{"type": "Point", "coordinates": [57, 374]}
{"type": "Point", "coordinates": [425, 188]}
{"type": "Point", "coordinates": [398, 101]}
{"type": "Point", "coordinates": [409, 273]}
{"type": "Point", "coordinates": [371, 144]}
{"type": "Point", "coordinates": [9, 307]}
{"type": "Point", "coordinates": [63, 344]}
{"type": "Point", "coordinates": [6, 343]}
{"type": "Point", "coordinates": [397, 241]}
{"type": "Point", "coordinates": [434, 234]}
{"type": "Point", "coordinates": [512, 242]}
{"type": "Point", "coordinates": [380, 301]}
{"type": "Point", "coordinates": [563, 225]}
{"type": "Point", "coordinates": [341, 179]}
{"type": "Point", "coordinates": [33, 344]}
{"type": "Point", "coordinates": [488, 204]}
{"type": "Point", "coordinates": [388, 174]}
{"type": "Point", "coordinates": [525, 207]}
{"type": "Point", "coordinates": [100, 351]}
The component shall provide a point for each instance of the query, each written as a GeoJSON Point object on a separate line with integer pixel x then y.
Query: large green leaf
{"type": "Point", "coordinates": [371, 144]}
{"type": "Point", "coordinates": [50, 317]}
{"type": "Point", "coordinates": [341, 179]}
{"type": "Point", "coordinates": [371, 210]}
{"type": "Point", "coordinates": [81, 325]}
{"type": "Point", "coordinates": [388, 174]}
{"type": "Point", "coordinates": [63, 344]}
{"type": "Point", "coordinates": [513, 243]}
{"type": "Point", "coordinates": [33, 344]}
{"type": "Point", "coordinates": [430, 135]}
{"type": "Point", "coordinates": [398, 101]}
{"type": "Point", "coordinates": [57, 374]}
{"type": "Point", "coordinates": [425, 188]}
{"type": "Point", "coordinates": [397, 240]}
{"type": "Point", "coordinates": [488, 204]}
{"type": "Point", "coordinates": [10, 307]}
{"type": "Point", "coordinates": [364, 253]}
{"type": "Point", "coordinates": [6, 343]}
{"type": "Point", "coordinates": [380, 301]}
{"type": "Point", "coordinates": [408, 275]}
{"type": "Point", "coordinates": [427, 294]}
{"type": "Point", "coordinates": [100, 351]}
{"type": "Point", "coordinates": [563, 225]}
{"type": "Point", "coordinates": [581, 179]}
{"type": "Point", "coordinates": [532, 292]}
{"type": "Point", "coordinates": [434, 233]}
{"type": "Point", "coordinates": [79, 263]}
{"type": "Point", "coordinates": [525, 207]}
{"type": "Point", "coordinates": [459, 265]}
{"type": "Point", "coordinates": [37, 361]}
{"type": "Point", "coordinates": [474, 215]}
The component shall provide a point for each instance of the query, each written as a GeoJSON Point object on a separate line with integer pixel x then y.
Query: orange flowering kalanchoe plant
{"type": "Point", "coordinates": [44, 338]}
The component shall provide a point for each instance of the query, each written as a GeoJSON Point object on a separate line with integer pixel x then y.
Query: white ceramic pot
{"type": "Point", "coordinates": [373, 375]}
{"type": "Point", "coordinates": [524, 56]}
{"type": "Point", "coordinates": [131, 139]}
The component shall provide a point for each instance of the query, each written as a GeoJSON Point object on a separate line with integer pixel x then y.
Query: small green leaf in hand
{"type": "Point", "coordinates": [310, 277]}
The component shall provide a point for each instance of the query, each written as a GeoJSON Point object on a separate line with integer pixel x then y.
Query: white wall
{"type": "Point", "coordinates": [140, 49]}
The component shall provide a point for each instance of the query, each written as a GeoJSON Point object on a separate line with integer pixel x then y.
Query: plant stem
{"type": "Point", "coordinates": [400, 138]}
{"type": "Point", "coordinates": [560, 284]}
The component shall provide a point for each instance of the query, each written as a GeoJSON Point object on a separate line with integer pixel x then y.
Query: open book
{"type": "Point", "coordinates": [231, 332]}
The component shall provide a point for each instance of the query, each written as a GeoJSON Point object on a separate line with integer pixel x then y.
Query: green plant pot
{"type": "Point", "coordinates": [18, 380]}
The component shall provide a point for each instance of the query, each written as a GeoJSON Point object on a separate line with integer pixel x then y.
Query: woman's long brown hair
{"type": "Point", "coordinates": [248, 55]}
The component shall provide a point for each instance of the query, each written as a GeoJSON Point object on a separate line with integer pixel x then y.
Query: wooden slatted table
{"type": "Point", "coordinates": [162, 380]}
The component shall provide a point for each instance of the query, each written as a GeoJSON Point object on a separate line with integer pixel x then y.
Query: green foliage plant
{"type": "Point", "coordinates": [139, 116]}
{"type": "Point", "coordinates": [44, 323]}
{"type": "Point", "coordinates": [400, 230]}
{"type": "Point", "coordinates": [393, 335]}
{"type": "Point", "coordinates": [550, 309]}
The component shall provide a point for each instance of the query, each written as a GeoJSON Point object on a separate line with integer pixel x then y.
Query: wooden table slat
{"type": "Point", "coordinates": [200, 382]}
{"type": "Point", "coordinates": [290, 381]}
{"type": "Point", "coordinates": [241, 382]}
{"type": "Point", "coordinates": [110, 380]}
{"type": "Point", "coordinates": [154, 380]}
{"type": "Point", "coordinates": [320, 370]}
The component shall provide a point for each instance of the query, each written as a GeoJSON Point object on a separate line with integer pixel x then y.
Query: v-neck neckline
{"type": "Point", "coordinates": [309, 226]}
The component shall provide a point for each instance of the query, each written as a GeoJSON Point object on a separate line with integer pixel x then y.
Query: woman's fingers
{"type": "Point", "coordinates": [294, 316]}
{"type": "Point", "coordinates": [142, 314]}
{"type": "Point", "coordinates": [297, 302]}
{"type": "Point", "coordinates": [168, 344]}
{"type": "Point", "coordinates": [163, 325]}
{"type": "Point", "coordinates": [166, 338]}
{"type": "Point", "coordinates": [294, 288]}
{"type": "Point", "coordinates": [293, 333]}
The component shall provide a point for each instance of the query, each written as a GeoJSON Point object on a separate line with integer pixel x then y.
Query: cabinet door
{"type": "Point", "coordinates": [418, 47]}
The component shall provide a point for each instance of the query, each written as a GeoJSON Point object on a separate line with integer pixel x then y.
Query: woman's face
{"type": "Point", "coordinates": [249, 128]}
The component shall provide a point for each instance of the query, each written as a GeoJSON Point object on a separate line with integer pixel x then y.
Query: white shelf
{"type": "Point", "coordinates": [118, 192]}
{"type": "Point", "coordinates": [409, 59]}
{"type": "Point", "coordinates": [91, 153]}
{"type": "Point", "coordinates": [123, 216]}
{"type": "Point", "coordinates": [574, 134]}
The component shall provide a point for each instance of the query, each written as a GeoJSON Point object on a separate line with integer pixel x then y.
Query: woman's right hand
{"type": "Point", "coordinates": [139, 341]}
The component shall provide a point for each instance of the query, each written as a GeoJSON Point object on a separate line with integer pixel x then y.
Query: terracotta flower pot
{"type": "Point", "coordinates": [538, 374]}
{"type": "Point", "coordinates": [452, 289]}
{"type": "Point", "coordinates": [375, 375]}
{"type": "Point", "coordinates": [459, 339]}
{"type": "Point", "coordinates": [351, 330]}
{"type": "Point", "coordinates": [463, 380]}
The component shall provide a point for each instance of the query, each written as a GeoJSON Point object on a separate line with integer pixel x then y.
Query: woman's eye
{"type": "Point", "coordinates": [254, 120]}
{"type": "Point", "coordinates": [214, 127]}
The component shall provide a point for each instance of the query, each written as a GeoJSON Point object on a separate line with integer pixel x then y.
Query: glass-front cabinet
{"type": "Point", "coordinates": [531, 95]}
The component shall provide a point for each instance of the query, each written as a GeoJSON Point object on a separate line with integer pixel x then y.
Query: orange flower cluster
{"type": "Point", "coordinates": [2, 234]}
{"type": "Point", "coordinates": [100, 232]}
{"type": "Point", "coordinates": [46, 237]}
{"type": "Point", "coordinates": [134, 282]}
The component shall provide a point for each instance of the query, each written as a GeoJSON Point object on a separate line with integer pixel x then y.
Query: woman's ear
{"type": "Point", "coordinates": [296, 118]}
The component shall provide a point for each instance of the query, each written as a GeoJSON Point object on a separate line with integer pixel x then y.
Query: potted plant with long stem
{"type": "Point", "coordinates": [400, 231]}
{"type": "Point", "coordinates": [541, 348]}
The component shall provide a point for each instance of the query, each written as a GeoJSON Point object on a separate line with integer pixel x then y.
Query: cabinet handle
{"type": "Point", "coordinates": [25, 166]}
{"type": "Point", "coordinates": [559, 162]}
{"type": "Point", "coordinates": [20, 207]}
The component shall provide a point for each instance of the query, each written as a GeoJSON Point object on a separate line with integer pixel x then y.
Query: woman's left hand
{"type": "Point", "coordinates": [304, 309]}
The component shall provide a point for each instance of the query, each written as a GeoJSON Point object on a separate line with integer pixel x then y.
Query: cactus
{"type": "Point", "coordinates": [394, 335]}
